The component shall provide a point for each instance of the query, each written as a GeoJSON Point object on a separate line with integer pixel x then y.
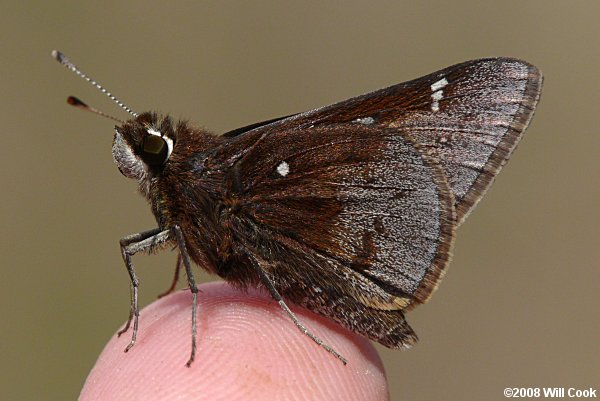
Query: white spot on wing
{"type": "Point", "coordinates": [439, 84]}
{"type": "Point", "coordinates": [437, 94]}
{"type": "Point", "coordinates": [365, 120]}
{"type": "Point", "coordinates": [283, 169]}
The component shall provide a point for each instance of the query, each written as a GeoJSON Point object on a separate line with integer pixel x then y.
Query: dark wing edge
{"type": "Point", "coordinates": [507, 145]}
{"type": "Point", "coordinates": [250, 127]}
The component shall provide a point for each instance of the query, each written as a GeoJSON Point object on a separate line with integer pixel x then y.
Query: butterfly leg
{"type": "Point", "coordinates": [131, 245]}
{"type": "Point", "coordinates": [183, 255]}
{"type": "Point", "coordinates": [175, 279]}
{"type": "Point", "coordinates": [277, 297]}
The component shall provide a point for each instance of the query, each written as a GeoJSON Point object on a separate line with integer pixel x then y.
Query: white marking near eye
{"type": "Point", "coordinates": [364, 120]}
{"type": "Point", "coordinates": [437, 94]}
{"type": "Point", "coordinates": [167, 140]}
{"type": "Point", "coordinates": [283, 169]}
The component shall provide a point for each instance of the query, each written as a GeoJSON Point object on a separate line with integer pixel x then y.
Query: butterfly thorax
{"type": "Point", "coordinates": [172, 164]}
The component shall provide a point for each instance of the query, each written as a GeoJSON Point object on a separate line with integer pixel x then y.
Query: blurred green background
{"type": "Point", "coordinates": [520, 305]}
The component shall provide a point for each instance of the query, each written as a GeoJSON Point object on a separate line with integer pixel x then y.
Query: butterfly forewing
{"type": "Point", "coordinates": [475, 123]}
{"type": "Point", "coordinates": [469, 116]}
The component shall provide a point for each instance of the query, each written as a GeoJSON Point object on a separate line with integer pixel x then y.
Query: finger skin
{"type": "Point", "coordinates": [248, 349]}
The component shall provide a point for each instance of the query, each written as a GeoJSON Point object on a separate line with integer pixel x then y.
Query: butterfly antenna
{"type": "Point", "coordinates": [73, 101]}
{"type": "Point", "coordinates": [61, 58]}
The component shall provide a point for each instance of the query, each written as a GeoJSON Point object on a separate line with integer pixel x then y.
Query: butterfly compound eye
{"type": "Point", "coordinates": [154, 150]}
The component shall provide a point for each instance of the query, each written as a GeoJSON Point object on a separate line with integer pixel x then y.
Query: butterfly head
{"type": "Point", "coordinates": [143, 145]}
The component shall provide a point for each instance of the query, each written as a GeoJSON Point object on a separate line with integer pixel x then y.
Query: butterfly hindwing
{"type": "Point", "coordinates": [353, 221]}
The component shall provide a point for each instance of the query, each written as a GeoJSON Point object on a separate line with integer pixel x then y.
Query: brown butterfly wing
{"type": "Point", "coordinates": [352, 221]}
{"type": "Point", "coordinates": [469, 116]}
{"type": "Point", "coordinates": [358, 222]}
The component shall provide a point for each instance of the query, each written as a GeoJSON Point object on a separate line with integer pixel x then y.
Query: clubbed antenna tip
{"type": "Point", "coordinates": [61, 58]}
